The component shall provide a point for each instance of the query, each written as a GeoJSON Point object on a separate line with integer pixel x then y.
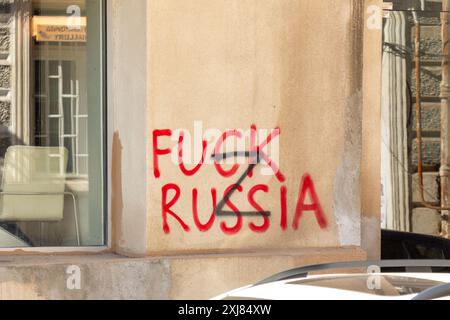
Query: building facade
{"type": "Point", "coordinates": [167, 149]}
{"type": "Point", "coordinates": [415, 82]}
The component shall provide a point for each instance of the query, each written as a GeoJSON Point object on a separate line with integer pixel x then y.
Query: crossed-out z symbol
{"type": "Point", "coordinates": [258, 156]}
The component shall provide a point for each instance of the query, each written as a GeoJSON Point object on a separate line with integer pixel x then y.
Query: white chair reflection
{"type": "Point", "coordinates": [33, 186]}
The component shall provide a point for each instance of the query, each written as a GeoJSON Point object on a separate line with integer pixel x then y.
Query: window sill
{"type": "Point", "coordinates": [51, 251]}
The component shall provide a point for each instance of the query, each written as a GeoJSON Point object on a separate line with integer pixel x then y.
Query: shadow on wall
{"type": "Point", "coordinates": [116, 192]}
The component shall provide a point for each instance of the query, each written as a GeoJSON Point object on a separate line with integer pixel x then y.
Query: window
{"type": "Point", "coordinates": [51, 124]}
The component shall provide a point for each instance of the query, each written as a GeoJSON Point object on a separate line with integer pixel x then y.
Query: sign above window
{"type": "Point", "coordinates": [59, 29]}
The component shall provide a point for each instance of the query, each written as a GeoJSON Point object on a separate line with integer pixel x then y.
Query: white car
{"type": "Point", "coordinates": [385, 280]}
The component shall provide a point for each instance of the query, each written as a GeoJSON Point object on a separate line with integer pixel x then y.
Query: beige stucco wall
{"type": "Point", "coordinates": [371, 130]}
{"type": "Point", "coordinates": [116, 277]}
{"type": "Point", "coordinates": [296, 65]}
{"type": "Point", "coordinates": [127, 126]}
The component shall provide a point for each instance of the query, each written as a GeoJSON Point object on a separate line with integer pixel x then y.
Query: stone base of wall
{"type": "Point", "coordinates": [110, 276]}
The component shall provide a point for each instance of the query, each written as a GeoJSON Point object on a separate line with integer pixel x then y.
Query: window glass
{"type": "Point", "coordinates": [51, 119]}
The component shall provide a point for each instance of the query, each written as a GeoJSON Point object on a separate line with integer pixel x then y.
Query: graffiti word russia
{"type": "Point", "coordinates": [236, 155]}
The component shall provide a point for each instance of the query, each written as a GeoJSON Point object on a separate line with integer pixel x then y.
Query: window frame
{"type": "Point", "coordinates": [107, 147]}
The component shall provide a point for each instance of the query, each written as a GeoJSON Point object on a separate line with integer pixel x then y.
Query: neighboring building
{"type": "Point", "coordinates": [413, 24]}
{"type": "Point", "coordinates": [97, 98]}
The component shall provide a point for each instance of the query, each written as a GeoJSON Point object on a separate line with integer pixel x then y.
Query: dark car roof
{"type": "Point", "coordinates": [405, 245]}
{"type": "Point", "coordinates": [410, 235]}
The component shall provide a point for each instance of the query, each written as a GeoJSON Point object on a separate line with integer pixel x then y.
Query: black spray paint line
{"type": "Point", "coordinates": [220, 212]}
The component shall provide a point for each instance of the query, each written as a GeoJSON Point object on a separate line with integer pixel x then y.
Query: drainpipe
{"type": "Point", "coordinates": [445, 119]}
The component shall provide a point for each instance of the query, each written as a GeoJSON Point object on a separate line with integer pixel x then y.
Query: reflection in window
{"type": "Point", "coordinates": [51, 139]}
